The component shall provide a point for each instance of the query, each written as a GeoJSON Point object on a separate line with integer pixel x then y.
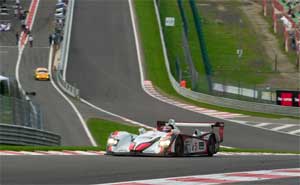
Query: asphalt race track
{"type": "Point", "coordinates": [58, 116]}
{"type": "Point", "coordinates": [103, 64]}
{"type": "Point", "coordinates": [107, 169]}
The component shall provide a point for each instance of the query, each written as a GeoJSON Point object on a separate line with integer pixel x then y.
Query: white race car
{"type": "Point", "coordinates": [167, 140]}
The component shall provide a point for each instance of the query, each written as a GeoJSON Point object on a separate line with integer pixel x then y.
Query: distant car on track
{"type": "Point", "coordinates": [41, 73]}
{"type": "Point", "coordinates": [167, 140]}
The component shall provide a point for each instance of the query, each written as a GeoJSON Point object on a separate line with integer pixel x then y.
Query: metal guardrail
{"type": "Point", "coordinates": [61, 68]}
{"type": "Point", "coordinates": [220, 101]}
{"type": "Point", "coordinates": [65, 86]}
{"type": "Point", "coordinates": [20, 135]}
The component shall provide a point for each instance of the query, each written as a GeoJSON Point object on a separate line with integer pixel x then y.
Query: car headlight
{"type": "Point", "coordinates": [112, 141]}
{"type": "Point", "coordinates": [164, 143]}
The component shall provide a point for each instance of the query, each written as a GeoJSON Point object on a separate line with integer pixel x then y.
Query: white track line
{"type": "Point", "coordinates": [67, 99]}
{"type": "Point", "coordinates": [21, 48]}
{"type": "Point", "coordinates": [251, 125]}
{"type": "Point", "coordinates": [263, 124]}
{"type": "Point", "coordinates": [115, 115]}
{"type": "Point", "coordinates": [294, 131]}
{"type": "Point", "coordinates": [283, 127]}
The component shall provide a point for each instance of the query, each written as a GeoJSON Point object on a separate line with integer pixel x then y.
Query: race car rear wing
{"type": "Point", "coordinates": [212, 125]}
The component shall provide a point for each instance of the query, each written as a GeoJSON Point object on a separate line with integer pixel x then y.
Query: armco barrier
{"type": "Point", "coordinates": [219, 101]}
{"type": "Point", "coordinates": [20, 135]}
{"type": "Point", "coordinates": [61, 70]}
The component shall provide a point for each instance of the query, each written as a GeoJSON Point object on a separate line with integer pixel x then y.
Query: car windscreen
{"type": "Point", "coordinates": [42, 71]}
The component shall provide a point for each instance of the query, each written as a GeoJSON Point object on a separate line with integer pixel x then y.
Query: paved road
{"type": "Point", "coordinates": [8, 46]}
{"type": "Point", "coordinates": [103, 64]}
{"type": "Point", "coordinates": [58, 116]}
{"type": "Point", "coordinates": [104, 169]}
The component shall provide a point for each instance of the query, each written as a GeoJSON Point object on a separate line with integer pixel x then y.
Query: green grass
{"type": "Point", "coordinates": [100, 129]}
{"type": "Point", "coordinates": [195, 48]}
{"type": "Point", "coordinates": [223, 38]}
{"type": "Point", "coordinates": [154, 59]}
{"type": "Point", "coordinates": [173, 36]}
{"type": "Point", "coordinates": [292, 55]}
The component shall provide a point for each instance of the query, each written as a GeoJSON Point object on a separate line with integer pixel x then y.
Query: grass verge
{"type": "Point", "coordinates": [154, 59]}
{"type": "Point", "coordinates": [100, 129]}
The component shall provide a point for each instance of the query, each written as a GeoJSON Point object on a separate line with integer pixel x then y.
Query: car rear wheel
{"type": "Point", "coordinates": [179, 147]}
{"type": "Point", "coordinates": [211, 146]}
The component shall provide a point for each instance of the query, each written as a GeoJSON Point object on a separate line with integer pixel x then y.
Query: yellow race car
{"type": "Point", "coordinates": [42, 73]}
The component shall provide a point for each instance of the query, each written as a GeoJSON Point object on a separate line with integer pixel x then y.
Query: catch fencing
{"type": "Point", "coordinates": [20, 112]}
{"type": "Point", "coordinates": [222, 93]}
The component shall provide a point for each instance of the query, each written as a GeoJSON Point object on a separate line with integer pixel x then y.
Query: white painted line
{"type": "Point", "coordinates": [17, 69]}
{"type": "Point", "coordinates": [294, 131]}
{"type": "Point", "coordinates": [137, 44]}
{"type": "Point", "coordinates": [251, 125]}
{"type": "Point", "coordinates": [238, 121]}
{"type": "Point", "coordinates": [282, 127]}
{"type": "Point", "coordinates": [87, 131]}
{"type": "Point", "coordinates": [263, 124]}
{"type": "Point", "coordinates": [115, 115]}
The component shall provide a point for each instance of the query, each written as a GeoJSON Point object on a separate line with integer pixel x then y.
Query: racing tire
{"type": "Point", "coordinates": [211, 150]}
{"type": "Point", "coordinates": [179, 147]}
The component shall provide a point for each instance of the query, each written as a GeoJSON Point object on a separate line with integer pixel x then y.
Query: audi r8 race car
{"type": "Point", "coordinates": [167, 140]}
{"type": "Point", "coordinates": [41, 73]}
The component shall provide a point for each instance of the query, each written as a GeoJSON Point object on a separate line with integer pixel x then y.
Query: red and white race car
{"type": "Point", "coordinates": [167, 140]}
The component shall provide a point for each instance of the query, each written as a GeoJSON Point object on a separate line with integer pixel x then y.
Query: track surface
{"type": "Point", "coordinates": [103, 64]}
{"type": "Point", "coordinates": [104, 169]}
{"type": "Point", "coordinates": [58, 116]}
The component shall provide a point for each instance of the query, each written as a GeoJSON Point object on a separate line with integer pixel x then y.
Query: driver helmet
{"type": "Point", "coordinates": [167, 128]}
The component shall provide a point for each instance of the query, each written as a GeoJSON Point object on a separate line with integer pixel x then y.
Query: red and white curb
{"type": "Point", "coordinates": [69, 152]}
{"type": "Point", "coordinates": [65, 152]}
{"type": "Point", "coordinates": [29, 21]}
{"type": "Point", "coordinates": [218, 114]}
{"type": "Point", "coordinates": [223, 178]}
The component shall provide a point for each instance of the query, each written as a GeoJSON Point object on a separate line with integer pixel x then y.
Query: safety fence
{"type": "Point", "coordinates": [22, 135]}
{"type": "Point", "coordinates": [217, 81]}
{"type": "Point", "coordinates": [21, 112]}
{"type": "Point", "coordinates": [60, 71]}
{"type": "Point", "coordinates": [223, 94]}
